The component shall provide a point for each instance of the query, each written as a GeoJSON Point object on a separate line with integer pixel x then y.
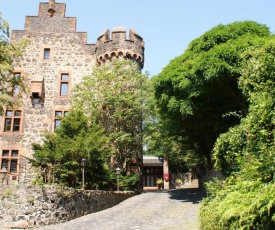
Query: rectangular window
{"type": "Point", "coordinates": [14, 153]}
{"type": "Point", "coordinates": [9, 160]}
{"type": "Point", "coordinates": [58, 115]}
{"type": "Point", "coordinates": [37, 100]}
{"type": "Point", "coordinates": [64, 84]}
{"type": "Point", "coordinates": [5, 153]}
{"type": "Point", "coordinates": [13, 166]}
{"type": "Point", "coordinates": [7, 127]}
{"type": "Point", "coordinates": [12, 121]}
{"type": "Point", "coordinates": [47, 52]}
{"type": "Point", "coordinates": [5, 164]}
{"type": "Point", "coordinates": [16, 86]}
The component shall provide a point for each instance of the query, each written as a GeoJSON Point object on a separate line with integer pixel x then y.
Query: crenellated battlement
{"type": "Point", "coordinates": [116, 45]}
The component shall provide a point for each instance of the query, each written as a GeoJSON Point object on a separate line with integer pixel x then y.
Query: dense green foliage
{"type": "Point", "coordinates": [238, 204]}
{"type": "Point", "coordinates": [60, 155]}
{"type": "Point", "coordinates": [245, 154]}
{"type": "Point", "coordinates": [197, 94]}
{"type": "Point", "coordinates": [113, 96]}
{"type": "Point", "coordinates": [217, 100]}
{"type": "Point", "coordinates": [104, 126]}
{"type": "Point", "coordinates": [158, 142]}
{"type": "Point", "coordinates": [8, 53]}
{"type": "Point", "coordinates": [254, 137]}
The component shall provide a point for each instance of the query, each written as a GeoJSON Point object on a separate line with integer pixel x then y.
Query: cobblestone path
{"type": "Point", "coordinates": [172, 209]}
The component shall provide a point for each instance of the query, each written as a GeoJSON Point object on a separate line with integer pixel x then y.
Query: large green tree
{"type": "Point", "coordinates": [197, 94]}
{"type": "Point", "coordinates": [104, 126]}
{"type": "Point", "coordinates": [60, 155]}
{"type": "Point", "coordinates": [113, 96]}
{"type": "Point", "coordinates": [8, 54]}
{"type": "Point", "coordinates": [158, 142]}
{"type": "Point", "coordinates": [246, 153]}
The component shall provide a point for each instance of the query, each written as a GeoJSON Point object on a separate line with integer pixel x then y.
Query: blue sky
{"type": "Point", "coordinates": [167, 26]}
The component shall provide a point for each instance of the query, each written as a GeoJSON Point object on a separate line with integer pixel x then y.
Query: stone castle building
{"type": "Point", "coordinates": [55, 60]}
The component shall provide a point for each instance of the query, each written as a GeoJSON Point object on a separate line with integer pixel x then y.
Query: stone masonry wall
{"type": "Point", "coordinates": [116, 45]}
{"type": "Point", "coordinates": [186, 179]}
{"type": "Point", "coordinates": [28, 207]}
{"type": "Point", "coordinates": [57, 23]}
{"type": "Point", "coordinates": [72, 58]}
{"type": "Point", "coordinates": [69, 54]}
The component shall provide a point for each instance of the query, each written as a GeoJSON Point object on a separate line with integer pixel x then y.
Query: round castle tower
{"type": "Point", "coordinates": [117, 46]}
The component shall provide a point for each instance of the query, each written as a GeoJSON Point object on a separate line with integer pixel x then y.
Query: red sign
{"type": "Point", "coordinates": [166, 177]}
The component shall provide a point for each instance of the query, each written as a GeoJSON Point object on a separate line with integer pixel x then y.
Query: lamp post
{"type": "Point", "coordinates": [161, 159]}
{"type": "Point", "coordinates": [83, 164]}
{"type": "Point", "coordinates": [117, 173]}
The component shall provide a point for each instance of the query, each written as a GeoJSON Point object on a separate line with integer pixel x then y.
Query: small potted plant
{"type": "Point", "coordinates": [178, 183]}
{"type": "Point", "coordinates": [159, 183]}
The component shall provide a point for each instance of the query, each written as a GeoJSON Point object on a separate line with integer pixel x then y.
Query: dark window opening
{"type": "Point", "coordinates": [36, 100]}
{"type": "Point", "coordinates": [9, 160]}
{"type": "Point", "coordinates": [7, 127]}
{"type": "Point", "coordinates": [47, 54]}
{"type": "Point", "coordinates": [5, 153]}
{"type": "Point", "coordinates": [5, 164]}
{"type": "Point", "coordinates": [12, 121]}
{"type": "Point", "coordinates": [64, 84]}
{"type": "Point", "coordinates": [16, 125]}
{"type": "Point", "coordinates": [13, 166]}
{"type": "Point", "coordinates": [16, 87]}
{"type": "Point", "coordinates": [58, 117]}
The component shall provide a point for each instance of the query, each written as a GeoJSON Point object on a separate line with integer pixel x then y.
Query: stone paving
{"type": "Point", "coordinates": [156, 210]}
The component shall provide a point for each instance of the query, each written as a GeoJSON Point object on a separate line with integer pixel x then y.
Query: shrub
{"type": "Point", "coordinates": [238, 204]}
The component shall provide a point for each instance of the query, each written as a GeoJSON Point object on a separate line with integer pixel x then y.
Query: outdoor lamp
{"type": "Point", "coordinates": [117, 173]}
{"type": "Point", "coordinates": [117, 170]}
{"type": "Point", "coordinates": [83, 164]}
{"type": "Point", "coordinates": [161, 159]}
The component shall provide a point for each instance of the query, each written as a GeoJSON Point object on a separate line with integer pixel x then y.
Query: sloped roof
{"type": "Point", "coordinates": [152, 161]}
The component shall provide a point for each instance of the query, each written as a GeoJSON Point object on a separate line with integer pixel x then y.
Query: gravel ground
{"type": "Point", "coordinates": [170, 209]}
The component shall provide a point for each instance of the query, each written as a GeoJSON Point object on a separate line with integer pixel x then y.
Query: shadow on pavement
{"type": "Point", "coordinates": [194, 195]}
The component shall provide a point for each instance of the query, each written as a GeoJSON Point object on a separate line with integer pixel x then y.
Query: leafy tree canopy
{"type": "Point", "coordinates": [157, 141]}
{"type": "Point", "coordinates": [219, 98]}
{"type": "Point", "coordinates": [254, 137]}
{"type": "Point", "coordinates": [197, 93]}
{"type": "Point", "coordinates": [113, 96]}
{"type": "Point", "coordinates": [245, 154]}
{"type": "Point", "coordinates": [8, 54]}
{"type": "Point", "coordinates": [104, 126]}
{"type": "Point", "coordinates": [60, 155]}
